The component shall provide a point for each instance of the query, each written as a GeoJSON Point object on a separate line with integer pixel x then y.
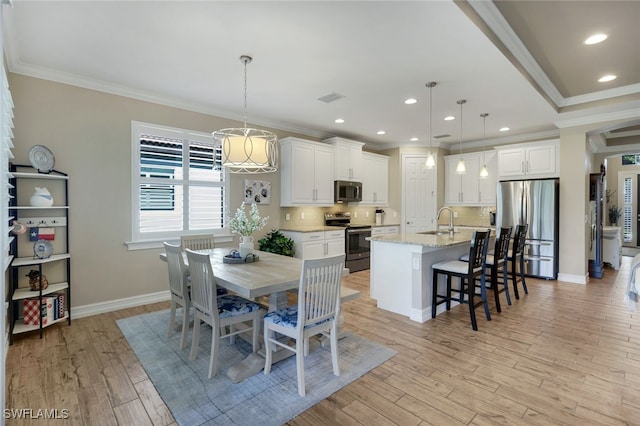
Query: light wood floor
{"type": "Point", "coordinates": [564, 354]}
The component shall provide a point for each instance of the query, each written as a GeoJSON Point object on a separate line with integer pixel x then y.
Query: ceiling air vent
{"type": "Point", "coordinates": [333, 96]}
{"type": "Point", "coordinates": [442, 136]}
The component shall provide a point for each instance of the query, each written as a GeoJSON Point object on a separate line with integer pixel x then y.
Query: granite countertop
{"type": "Point", "coordinates": [309, 228]}
{"type": "Point", "coordinates": [462, 236]}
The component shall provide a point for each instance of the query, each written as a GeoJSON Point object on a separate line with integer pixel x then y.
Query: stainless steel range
{"type": "Point", "coordinates": [357, 247]}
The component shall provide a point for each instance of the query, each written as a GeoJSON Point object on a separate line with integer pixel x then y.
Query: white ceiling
{"type": "Point", "coordinates": [376, 54]}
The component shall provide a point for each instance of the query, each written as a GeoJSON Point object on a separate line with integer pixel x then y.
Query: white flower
{"type": "Point", "coordinates": [243, 225]}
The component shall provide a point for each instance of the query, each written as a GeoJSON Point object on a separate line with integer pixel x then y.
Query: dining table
{"type": "Point", "coordinates": [269, 275]}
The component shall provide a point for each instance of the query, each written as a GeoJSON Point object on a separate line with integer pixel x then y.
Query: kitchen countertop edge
{"type": "Point", "coordinates": [426, 240]}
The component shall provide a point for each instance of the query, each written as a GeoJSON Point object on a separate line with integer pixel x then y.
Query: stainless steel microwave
{"type": "Point", "coordinates": [346, 191]}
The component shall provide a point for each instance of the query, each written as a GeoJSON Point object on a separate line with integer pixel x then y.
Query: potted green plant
{"type": "Point", "coordinates": [278, 243]}
{"type": "Point", "coordinates": [614, 214]}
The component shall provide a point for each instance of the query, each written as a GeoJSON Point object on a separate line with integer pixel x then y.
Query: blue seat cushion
{"type": "Point", "coordinates": [287, 317]}
{"type": "Point", "coordinates": [230, 305]}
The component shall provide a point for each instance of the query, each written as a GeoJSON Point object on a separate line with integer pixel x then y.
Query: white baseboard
{"type": "Point", "coordinates": [115, 305]}
{"type": "Point", "coordinates": [572, 278]}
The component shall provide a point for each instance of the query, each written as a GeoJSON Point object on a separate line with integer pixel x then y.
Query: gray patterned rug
{"type": "Point", "coordinates": [266, 400]}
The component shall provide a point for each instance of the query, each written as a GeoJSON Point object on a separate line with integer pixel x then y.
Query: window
{"type": "Point", "coordinates": [630, 159]}
{"type": "Point", "coordinates": [178, 184]}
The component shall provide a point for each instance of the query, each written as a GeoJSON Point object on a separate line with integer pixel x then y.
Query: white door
{"type": "Point", "coordinates": [418, 194]}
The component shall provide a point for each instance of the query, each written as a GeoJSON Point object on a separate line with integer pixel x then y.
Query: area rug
{"type": "Point", "coordinates": [261, 399]}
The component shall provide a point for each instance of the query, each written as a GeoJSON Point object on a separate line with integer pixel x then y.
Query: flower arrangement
{"type": "Point", "coordinates": [245, 226]}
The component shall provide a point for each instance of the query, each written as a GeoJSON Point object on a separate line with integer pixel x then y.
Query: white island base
{"type": "Point", "coordinates": [401, 271]}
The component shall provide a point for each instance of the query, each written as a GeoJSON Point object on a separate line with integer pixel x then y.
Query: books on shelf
{"type": "Point", "coordinates": [52, 308]}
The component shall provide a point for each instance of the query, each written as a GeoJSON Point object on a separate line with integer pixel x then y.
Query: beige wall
{"type": "Point", "coordinates": [89, 133]}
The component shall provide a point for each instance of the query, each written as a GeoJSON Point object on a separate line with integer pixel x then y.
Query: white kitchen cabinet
{"type": "Point", "coordinates": [469, 189]}
{"type": "Point", "coordinates": [532, 160]}
{"type": "Point", "coordinates": [306, 173]}
{"type": "Point", "coordinates": [375, 179]}
{"type": "Point", "coordinates": [310, 245]}
{"type": "Point", "coordinates": [347, 163]}
{"type": "Point", "coordinates": [487, 186]}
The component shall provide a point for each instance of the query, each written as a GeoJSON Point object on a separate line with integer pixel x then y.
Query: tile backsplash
{"type": "Point", "coordinates": [469, 216]}
{"type": "Point", "coordinates": [313, 216]}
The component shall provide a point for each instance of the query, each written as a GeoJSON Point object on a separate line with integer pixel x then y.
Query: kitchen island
{"type": "Point", "coordinates": [401, 272]}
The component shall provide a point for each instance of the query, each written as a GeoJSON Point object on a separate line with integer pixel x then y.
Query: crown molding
{"type": "Point", "coordinates": [624, 112]}
{"type": "Point", "coordinates": [492, 17]}
{"type": "Point", "coordinates": [615, 92]}
{"type": "Point", "coordinates": [17, 67]}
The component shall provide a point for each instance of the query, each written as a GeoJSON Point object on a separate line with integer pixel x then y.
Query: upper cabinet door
{"type": "Point", "coordinates": [375, 179]}
{"type": "Point", "coordinates": [306, 173]}
{"type": "Point", "coordinates": [347, 159]}
{"type": "Point", "coordinates": [529, 161]}
{"type": "Point", "coordinates": [487, 186]}
{"type": "Point", "coordinates": [323, 175]}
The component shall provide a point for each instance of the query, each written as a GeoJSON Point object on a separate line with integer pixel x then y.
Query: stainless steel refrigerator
{"type": "Point", "coordinates": [534, 202]}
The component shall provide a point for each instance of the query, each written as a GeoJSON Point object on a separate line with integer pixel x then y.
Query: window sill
{"type": "Point", "coordinates": [156, 244]}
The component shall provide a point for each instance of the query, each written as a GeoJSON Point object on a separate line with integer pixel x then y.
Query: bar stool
{"type": "Point", "coordinates": [516, 257]}
{"type": "Point", "coordinates": [467, 272]}
{"type": "Point", "coordinates": [497, 262]}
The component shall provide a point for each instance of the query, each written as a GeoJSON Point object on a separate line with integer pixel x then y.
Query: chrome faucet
{"type": "Point", "coordinates": [450, 216]}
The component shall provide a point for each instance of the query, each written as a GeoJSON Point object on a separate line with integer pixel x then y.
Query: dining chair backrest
{"type": "Point", "coordinates": [501, 249]}
{"type": "Point", "coordinates": [203, 284]}
{"type": "Point", "coordinates": [319, 291]}
{"type": "Point", "coordinates": [519, 239]}
{"type": "Point", "coordinates": [478, 249]}
{"type": "Point", "coordinates": [177, 270]}
{"type": "Point", "coordinates": [197, 242]}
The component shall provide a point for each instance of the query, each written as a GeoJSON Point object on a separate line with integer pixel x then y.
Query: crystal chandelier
{"type": "Point", "coordinates": [431, 162]}
{"type": "Point", "coordinates": [246, 150]}
{"type": "Point", "coordinates": [461, 168]}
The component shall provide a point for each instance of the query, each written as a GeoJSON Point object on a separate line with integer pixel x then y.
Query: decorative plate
{"type": "Point", "coordinates": [41, 158]}
{"type": "Point", "coordinates": [42, 249]}
{"type": "Point", "coordinates": [18, 228]}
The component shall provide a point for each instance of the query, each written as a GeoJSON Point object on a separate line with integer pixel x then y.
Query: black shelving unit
{"type": "Point", "coordinates": [24, 179]}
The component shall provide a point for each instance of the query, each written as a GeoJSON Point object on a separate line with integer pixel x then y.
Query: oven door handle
{"type": "Point", "coordinates": [359, 231]}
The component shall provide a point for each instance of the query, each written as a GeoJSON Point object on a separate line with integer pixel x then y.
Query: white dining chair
{"type": "Point", "coordinates": [316, 313]}
{"type": "Point", "coordinates": [197, 242]}
{"type": "Point", "coordinates": [217, 311]}
{"type": "Point", "coordinates": [179, 290]}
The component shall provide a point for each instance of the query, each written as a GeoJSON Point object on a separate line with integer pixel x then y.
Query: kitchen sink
{"type": "Point", "coordinates": [438, 232]}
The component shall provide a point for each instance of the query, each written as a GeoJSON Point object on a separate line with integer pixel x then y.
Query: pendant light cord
{"type": "Point", "coordinates": [245, 59]}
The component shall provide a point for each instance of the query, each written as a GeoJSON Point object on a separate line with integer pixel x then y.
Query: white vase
{"type": "Point", "coordinates": [246, 245]}
{"type": "Point", "coordinates": [41, 198]}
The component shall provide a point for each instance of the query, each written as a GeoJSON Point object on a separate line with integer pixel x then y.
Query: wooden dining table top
{"type": "Point", "coordinates": [272, 273]}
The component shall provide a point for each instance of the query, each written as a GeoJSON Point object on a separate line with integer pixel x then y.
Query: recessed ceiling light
{"type": "Point", "coordinates": [414, 139]}
{"type": "Point", "coordinates": [449, 118]}
{"type": "Point", "coordinates": [339, 120]}
{"type": "Point", "coordinates": [505, 129]}
{"type": "Point", "coordinates": [410, 101]}
{"type": "Point", "coordinates": [595, 39]}
{"type": "Point", "coordinates": [607, 77]}
{"type": "Point", "coordinates": [381, 132]}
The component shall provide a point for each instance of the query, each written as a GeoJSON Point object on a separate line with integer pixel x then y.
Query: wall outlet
{"type": "Point", "coordinates": [395, 214]}
{"type": "Point", "coordinates": [287, 216]}
{"type": "Point", "coordinates": [301, 215]}
{"type": "Point", "coordinates": [366, 214]}
{"type": "Point", "coordinates": [455, 214]}
{"type": "Point", "coordinates": [355, 215]}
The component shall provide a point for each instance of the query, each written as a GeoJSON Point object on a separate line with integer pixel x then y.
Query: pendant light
{"type": "Point", "coordinates": [246, 150]}
{"type": "Point", "coordinates": [461, 168]}
{"type": "Point", "coordinates": [484, 172]}
{"type": "Point", "coordinates": [431, 161]}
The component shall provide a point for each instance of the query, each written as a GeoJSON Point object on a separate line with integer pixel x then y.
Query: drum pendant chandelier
{"type": "Point", "coordinates": [246, 150]}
